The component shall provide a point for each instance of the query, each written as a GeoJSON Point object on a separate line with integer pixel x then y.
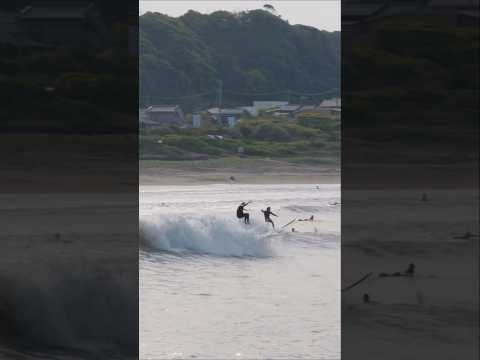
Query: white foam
{"type": "Point", "coordinates": [206, 235]}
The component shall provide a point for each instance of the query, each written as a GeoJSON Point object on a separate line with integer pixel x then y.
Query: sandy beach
{"type": "Point", "coordinates": [244, 171]}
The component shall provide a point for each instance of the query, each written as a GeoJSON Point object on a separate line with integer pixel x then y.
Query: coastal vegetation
{"type": "Point", "coordinates": [307, 138]}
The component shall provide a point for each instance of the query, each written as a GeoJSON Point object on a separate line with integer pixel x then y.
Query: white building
{"type": "Point", "coordinates": [222, 116]}
{"type": "Point", "coordinates": [196, 120]}
{"type": "Point", "coordinates": [331, 103]}
{"type": "Point", "coordinates": [232, 121]}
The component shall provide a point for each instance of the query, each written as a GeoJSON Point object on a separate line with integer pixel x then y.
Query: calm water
{"type": "Point", "coordinates": [211, 287]}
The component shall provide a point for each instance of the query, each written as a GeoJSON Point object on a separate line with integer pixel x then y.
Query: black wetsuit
{"type": "Point", "coordinates": [266, 214]}
{"type": "Point", "coordinates": [243, 215]}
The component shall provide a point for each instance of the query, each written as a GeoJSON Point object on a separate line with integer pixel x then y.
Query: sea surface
{"type": "Point", "coordinates": [212, 287]}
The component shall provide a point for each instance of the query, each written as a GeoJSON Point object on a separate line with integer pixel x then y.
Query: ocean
{"type": "Point", "coordinates": [212, 287]}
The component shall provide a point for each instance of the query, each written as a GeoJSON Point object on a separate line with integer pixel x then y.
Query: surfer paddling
{"type": "Point", "coordinates": [241, 214]}
{"type": "Point", "coordinates": [266, 214]}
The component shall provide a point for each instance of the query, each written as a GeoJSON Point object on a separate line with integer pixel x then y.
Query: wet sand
{"type": "Point", "coordinates": [244, 171]}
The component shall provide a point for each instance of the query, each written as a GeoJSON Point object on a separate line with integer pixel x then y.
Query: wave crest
{"type": "Point", "coordinates": [206, 235]}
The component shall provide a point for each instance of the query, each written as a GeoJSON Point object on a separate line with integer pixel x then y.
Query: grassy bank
{"type": "Point", "coordinates": [305, 140]}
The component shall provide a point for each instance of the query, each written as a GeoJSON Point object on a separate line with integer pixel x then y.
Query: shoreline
{"type": "Point", "coordinates": [196, 179]}
{"type": "Point", "coordinates": [268, 171]}
{"type": "Point", "coordinates": [244, 171]}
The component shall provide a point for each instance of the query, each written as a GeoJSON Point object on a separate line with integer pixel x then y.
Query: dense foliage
{"type": "Point", "coordinates": [311, 138]}
{"type": "Point", "coordinates": [250, 52]}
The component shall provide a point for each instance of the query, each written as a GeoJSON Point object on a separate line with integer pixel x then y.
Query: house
{"type": "Point", "coordinates": [163, 115]}
{"type": "Point", "coordinates": [329, 113]}
{"type": "Point", "coordinates": [328, 108]}
{"type": "Point", "coordinates": [196, 120]}
{"type": "Point", "coordinates": [227, 117]}
{"type": "Point", "coordinates": [75, 24]}
{"type": "Point", "coordinates": [264, 105]}
{"type": "Point", "coordinates": [331, 103]}
{"type": "Point", "coordinates": [251, 110]}
{"type": "Point", "coordinates": [286, 111]}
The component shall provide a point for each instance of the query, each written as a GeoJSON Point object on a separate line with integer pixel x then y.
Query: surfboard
{"type": "Point", "coordinates": [291, 222]}
{"type": "Point", "coordinates": [357, 282]}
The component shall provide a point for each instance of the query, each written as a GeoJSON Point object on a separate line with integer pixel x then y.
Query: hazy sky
{"type": "Point", "coordinates": [322, 14]}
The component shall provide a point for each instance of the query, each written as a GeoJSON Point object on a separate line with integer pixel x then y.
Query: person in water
{"type": "Point", "coordinates": [266, 214]}
{"type": "Point", "coordinates": [309, 219]}
{"type": "Point", "coordinates": [410, 270]}
{"type": "Point", "coordinates": [241, 214]}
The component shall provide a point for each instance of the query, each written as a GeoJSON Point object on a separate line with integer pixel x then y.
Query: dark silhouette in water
{"type": "Point", "coordinates": [409, 272]}
{"type": "Point", "coordinates": [465, 236]}
{"type": "Point", "coordinates": [266, 214]}
{"type": "Point", "coordinates": [309, 219]}
{"type": "Point", "coordinates": [243, 215]}
{"type": "Point", "coordinates": [366, 298]}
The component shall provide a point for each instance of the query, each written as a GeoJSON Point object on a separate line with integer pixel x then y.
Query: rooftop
{"type": "Point", "coordinates": [215, 111]}
{"type": "Point", "coordinates": [164, 108]}
{"type": "Point", "coordinates": [336, 102]}
{"type": "Point", "coordinates": [288, 108]}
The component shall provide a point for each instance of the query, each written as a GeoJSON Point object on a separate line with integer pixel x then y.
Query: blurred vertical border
{"type": "Point", "coordinates": [69, 179]}
{"type": "Point", "coordinates": [410, 179]}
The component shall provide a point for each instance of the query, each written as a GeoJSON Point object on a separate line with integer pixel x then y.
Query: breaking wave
{"type": "Point", "coordinates": [206, 235]}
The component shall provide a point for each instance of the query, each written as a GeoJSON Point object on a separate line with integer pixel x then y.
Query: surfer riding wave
{"type": "Point", "coordinates": [241, 214]}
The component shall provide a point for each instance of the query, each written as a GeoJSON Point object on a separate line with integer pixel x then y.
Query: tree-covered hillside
{"type": "Point", "coordinates": [251, 52]}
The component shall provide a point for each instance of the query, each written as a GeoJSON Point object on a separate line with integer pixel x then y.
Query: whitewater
{"type": "Point", "coordinates": [213, 287]}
